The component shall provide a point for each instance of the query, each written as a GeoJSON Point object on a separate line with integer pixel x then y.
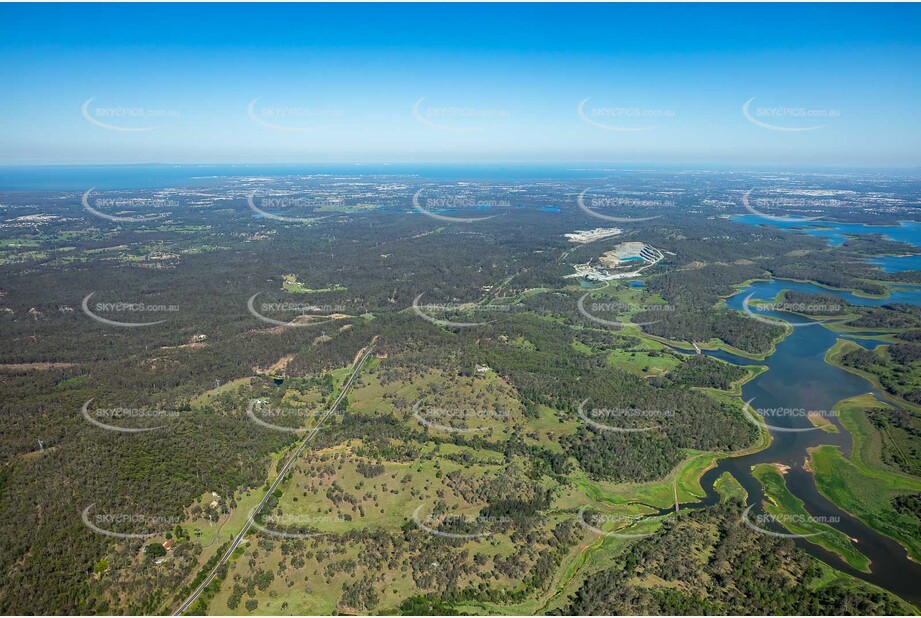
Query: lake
{"type": "Point", "coordinates": [798, 377]}
{"type": "Point", "coordinates": [897, 263]}
{"type": "Point", "coordinates": [836, 233]}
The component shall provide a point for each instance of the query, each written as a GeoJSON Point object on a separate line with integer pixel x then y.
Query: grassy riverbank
{"type": "Point", "coordinates": [788, 510]}
{"type": "Point", "coordinates": [862, 485]}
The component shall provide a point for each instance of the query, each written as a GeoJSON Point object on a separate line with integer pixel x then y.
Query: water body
{"type": "Point", "coordinates": [767, 290]}
{"type": "Point", "coordinates": [837, 233]}
{"type": "Point", "coordinates": [127, 177]}
{"type": "Point", "coordinates": [799, 378]}
{"type": "Point", "coordinates": [897, 263]}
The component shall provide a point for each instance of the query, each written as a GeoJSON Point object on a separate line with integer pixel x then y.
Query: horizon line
{"type": "Point", "coordinates": [688, 165]}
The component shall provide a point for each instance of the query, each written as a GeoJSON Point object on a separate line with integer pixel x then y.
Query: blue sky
{"type": "Point", "coordinates": [834, 84]}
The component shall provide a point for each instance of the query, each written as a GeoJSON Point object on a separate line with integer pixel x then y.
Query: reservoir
{"type": "Point", "coordinates": [836, 233]}
{"type": "Point", "coordinates": [908, 232]}
{"type": "Point", "coordinates": [799, 378]}
{"type": "Point", "coordinates": [897, 263]}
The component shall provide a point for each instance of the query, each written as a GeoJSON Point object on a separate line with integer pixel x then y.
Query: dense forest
{"type": "Point", "coordinates": [737, 572]}
{"type": "Point", "coordinates": [897, 367]}
{"type": "Point", "coordinates": [360, 271]}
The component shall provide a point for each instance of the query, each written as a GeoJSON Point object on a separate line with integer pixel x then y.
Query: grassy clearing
{"type": "Point", "coordinates": [867, 494]}
{"type": "Point", "coordinates": [842, 347]}
{"type": "Point", "coordinates": [640, 497]}
{"type": "Point", "coordinates": [211, 535]}
{"type": "Point", "coordinates": [718, 344]}
{"type": "Point", "coordinates": [360, 499]}
{"type": "Point", "coordinates": [866, 449]}
{"type": "Point", "coordinates": [642, 363]}
{"type": "Point", "coordinates": [228, 387]}
{"type": "Point", "coordinates": [730, 489]}
{"type": "Point", "coordinates": [735, 390]}
{"type": "Point", "coordinates": [822, 422]}
{"type": "Point", "coordinates": [886, 446]}
{"type": "Point", "coordinates": [683, 481]}
{"type": "Point", "coordinates": [788, 510]}
{"type": "Point", "coordinates": [329, 492]}
{"type": "Point", "coordinates": [480, 405]}
{"type": "Point", "coordinates": [829, 576]}
{"type": "Point", "coordinates": [327, 488]}
{"type": "Point", "coordinates": [291, 285]}
{"type": "Point", "coordinates": [866, 453]}
{"type": "Point", "coordinates": [862, 485]}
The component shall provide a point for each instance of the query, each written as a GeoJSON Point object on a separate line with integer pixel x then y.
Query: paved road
{"type": "Point", "coordinates": [281, 475]}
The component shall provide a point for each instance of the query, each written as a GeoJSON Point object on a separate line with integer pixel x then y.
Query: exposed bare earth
{"type": "Point", "coordinates": [34, 366]}
{"type": "Point", "coordinates": [278, 367]}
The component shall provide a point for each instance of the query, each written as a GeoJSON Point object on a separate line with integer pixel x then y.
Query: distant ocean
{"type": "Point", "coordinates": [82, 177]}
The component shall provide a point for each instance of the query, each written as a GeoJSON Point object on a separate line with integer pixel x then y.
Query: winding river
{"type": "Point", "coordinates": [798, 377]}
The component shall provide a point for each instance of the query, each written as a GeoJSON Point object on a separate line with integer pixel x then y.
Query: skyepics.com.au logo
{"type": "Point", "coordinates": [595, 522]}
{"type": "Point", "coordinates": [811, 308]}
{"type": "Point", "coordinates": [261, 412]}
{"type": "Point", "coordinates": [614, 418]}
{"type": "Point", "coordinates": [788, 521]}
{"type": "Point", "coordinates": [761, 417]}
{"type": "Point", "coordinates": [616, 307]}
{"type": "Point", "coordinates": [269, 206]}
{"type": "Point", "coordinates": [126, 119]}
{"type": "Point", "coordinates": [448, 418]}
{"type": "Point", "coordinates": [97, 206]}
{"type": "Point", "coordinates": [112, 524]}
{"type": "Point", "coordinates": [622, 119]}
{"type": "Point", "coordinates": [125, 309]}
{"type": "Point", "coordinates": [788, 119]}
{"type": "Point", "coordinates": [305, 314]}
{"type": "Point", "coordinates": [295, 525]}
{"type": "Point", "coordinates": [436, 205]}
{"type": "Point", "coordinates": [789, 307]}
{"type": "Point", "coordinates": [451, 526]}
{"type": "Point", "coordinates": [454, 118]}
{"type": "Point", "coordinates": [588, 204]}
{"type": "Point", "coordinates": [425, 312]}
{"type": "Point", "coordinates": [295, 119]}
{"type": "Point", "coordinates": [785, 204]}
{"type": "Point", "coordinates": [105, 418]}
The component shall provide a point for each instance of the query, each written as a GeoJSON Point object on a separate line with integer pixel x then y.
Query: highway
{"type": "Point", "coordinates": [281, 475]}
